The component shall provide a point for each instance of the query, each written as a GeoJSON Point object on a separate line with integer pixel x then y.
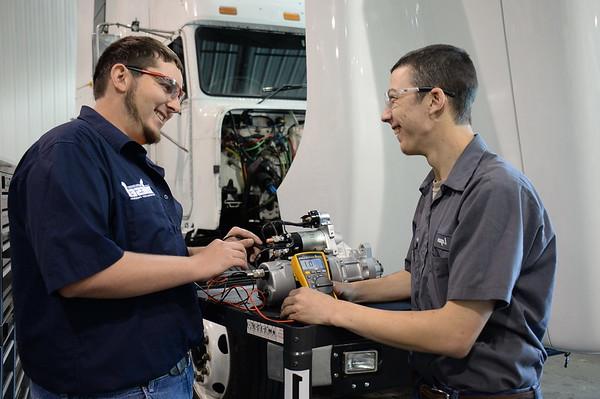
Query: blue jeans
{"type": "Point", "coordinates": [164, 387]}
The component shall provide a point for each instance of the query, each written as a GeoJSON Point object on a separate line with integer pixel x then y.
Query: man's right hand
{"type": "Point", "coordinates": [393, 287]}
{"type": "Point", "coordinates": [221, 255]}
{"type": "Point", "coordinates": [344, 291]}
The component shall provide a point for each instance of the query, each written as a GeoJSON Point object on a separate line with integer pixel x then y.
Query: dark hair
{"type": "Point", "coordinates": [446, 67]}
{"type": "Point", "coordinates": [139, 51]}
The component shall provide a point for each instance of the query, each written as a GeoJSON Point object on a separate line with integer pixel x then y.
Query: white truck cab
{"type": "Point", "coordinates": [242, 117]}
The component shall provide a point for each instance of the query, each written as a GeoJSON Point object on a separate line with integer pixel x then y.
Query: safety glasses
{"type": "Point", "coordinates": [169, 84]}
{"type": "Point", "coordinates": [393, 94]}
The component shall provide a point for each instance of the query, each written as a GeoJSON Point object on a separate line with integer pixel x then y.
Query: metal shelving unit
{"type": "Point", "coordinates": [13, 382]}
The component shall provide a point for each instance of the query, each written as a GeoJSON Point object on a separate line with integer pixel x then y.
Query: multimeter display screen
{"type": "Point", "coordinates": [312, 264]}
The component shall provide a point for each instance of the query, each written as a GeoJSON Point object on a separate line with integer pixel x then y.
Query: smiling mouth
{"type": "Point", "coordinates": [160, 116]}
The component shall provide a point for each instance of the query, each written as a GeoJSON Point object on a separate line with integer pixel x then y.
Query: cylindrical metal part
{"type": "Point", "coordinates": [359, 265]}
{"type": "Point", "coordinates": [279, 282]}
{"type": "Point", "coordinates": [311, 240]}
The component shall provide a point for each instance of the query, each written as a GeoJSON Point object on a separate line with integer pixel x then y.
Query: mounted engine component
{"type": "Point", "coordinates": [345, 264]}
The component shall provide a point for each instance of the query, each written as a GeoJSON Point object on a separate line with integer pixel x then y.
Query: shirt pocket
{"type": "Point", "coordinates": [441, 245]}
{"type": "Point", "coordinates": [439, 268]}
{"type": "Point", "coordinates": [149, 228]}
{"type": "Point", "coordinates": [438, 281]}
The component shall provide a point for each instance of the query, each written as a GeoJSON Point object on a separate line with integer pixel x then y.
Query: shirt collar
{"type": "Point", "coordinates": [115, 137]}
{"type": "Point", "coordinates": [463, 169]}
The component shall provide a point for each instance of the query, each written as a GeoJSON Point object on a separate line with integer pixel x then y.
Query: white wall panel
{"type": "Point", "coordinates": [84, 73]}
{"type": "Point", "coordinates": [38, 44]}
{"type": "Point", "coordinates": [554, 50]}
{"type": "Point", "coordinates": [539, 71]}
{"type": "Point", "coordinates": [348, 160]}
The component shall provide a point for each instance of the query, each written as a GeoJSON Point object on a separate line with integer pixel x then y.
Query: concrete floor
{"type": "Point", "coordinates": [580, 380]}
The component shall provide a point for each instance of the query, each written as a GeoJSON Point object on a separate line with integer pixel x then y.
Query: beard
{"type": "Point", "coordinates": [150, 137]}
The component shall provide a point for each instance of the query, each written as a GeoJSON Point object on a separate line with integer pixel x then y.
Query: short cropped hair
{"type": "Point", "coordinates": [139, 51]}
{"type": "Point", "coordinates": [446, 67]}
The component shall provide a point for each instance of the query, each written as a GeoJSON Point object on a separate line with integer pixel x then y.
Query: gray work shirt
{"type": "Point", "coordinates": [486, 236]}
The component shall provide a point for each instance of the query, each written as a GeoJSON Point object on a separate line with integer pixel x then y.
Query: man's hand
{"type": "Point", "coordinates": [220, 255]}
{"type": "Point", "coordinates": [244, 236]}
{"type": "Point", "coordinates": [344, 291]}
{"type": "Point", "coordinates": [308, 306]}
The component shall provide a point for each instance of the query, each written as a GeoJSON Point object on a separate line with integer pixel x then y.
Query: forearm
{"type": "Point", "coordinates": [393, 287]}
{"type": "Point", "coordinates": [195, 250]}
{"type": "Point", "coordinates": [449, 331]}
{"type": "Point", "coordinates": [138, 274]}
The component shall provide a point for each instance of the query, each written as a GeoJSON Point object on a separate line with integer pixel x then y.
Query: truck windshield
{"type": "Point", "coordinates": [241, 63]}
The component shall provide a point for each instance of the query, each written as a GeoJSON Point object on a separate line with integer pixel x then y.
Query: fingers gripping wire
{"type": "Point", "coordinates": [274, 229]}
{"type": "Point", "coordinates": [258, 257]}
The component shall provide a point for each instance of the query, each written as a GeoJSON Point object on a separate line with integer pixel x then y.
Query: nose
{"type": "Point", "coordinates": [386, 115]}
{"type": "Point", "coordinates": [174, 105]}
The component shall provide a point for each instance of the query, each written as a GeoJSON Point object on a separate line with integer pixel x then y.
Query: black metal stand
{"type": "Point", "coordinates": [298, 361]}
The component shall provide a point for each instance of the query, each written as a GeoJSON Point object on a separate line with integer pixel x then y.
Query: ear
{"type": "Point", "coordinates": [438, 102]}
{"type": "Point", "coordinates": [120, 78]}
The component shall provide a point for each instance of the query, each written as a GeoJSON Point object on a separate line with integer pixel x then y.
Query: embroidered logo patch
{"type": "Point", "coordinates": [137, 191]}
{"type": "Point", "coordinates": [442, 241]}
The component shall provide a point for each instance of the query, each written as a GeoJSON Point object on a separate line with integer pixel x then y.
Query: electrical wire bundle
{"type": "Point", "coordinates": [262, 150]}
{"type": "Point", "coordinates": [237, 282]}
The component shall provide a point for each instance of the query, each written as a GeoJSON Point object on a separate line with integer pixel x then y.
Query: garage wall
{"type": "Point", "coordinates": [38, 41]}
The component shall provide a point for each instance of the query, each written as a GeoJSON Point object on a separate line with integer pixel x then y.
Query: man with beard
{"type": "Point", "coordinates": [104, 300]}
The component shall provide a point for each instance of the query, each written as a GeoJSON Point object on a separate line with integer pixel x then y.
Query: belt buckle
{"type": "Point", "coordinates": [436, 390]}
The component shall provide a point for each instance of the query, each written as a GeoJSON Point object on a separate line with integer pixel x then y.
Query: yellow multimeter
{"type": "Point", "coordinates": [312, 270]}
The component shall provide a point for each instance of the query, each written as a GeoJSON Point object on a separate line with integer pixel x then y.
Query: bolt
{"type": "Point", "coordinates": [367, 385]}
{"type": "Point", "coordinates": [295, 363]}
{"type": "Point", "coordinates": [353, 386]}
{"type": "Point", "coordinates": [296, 339]}
{"type": "Point", "coordinates": [336, 355]}
{"type": "Point", "coordinates": [336, 375]}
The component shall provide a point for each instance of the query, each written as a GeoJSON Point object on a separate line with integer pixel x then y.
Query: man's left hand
{"type": "Point", "coordinates": [309, 306]}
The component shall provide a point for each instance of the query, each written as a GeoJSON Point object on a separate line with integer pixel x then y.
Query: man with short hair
{"type": "Point", "coordinates": [104, 301]}
{"type": "Point", "coordinates": [481, 263]}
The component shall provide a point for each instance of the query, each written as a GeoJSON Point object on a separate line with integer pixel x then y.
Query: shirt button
{"type": "Point", "coordinates": [165, 196]}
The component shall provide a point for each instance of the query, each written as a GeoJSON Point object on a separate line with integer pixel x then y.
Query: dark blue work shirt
{"type": "Point", "coordinates": [485, 237]}
{"type": "Point", "coordinates": [81, 196]}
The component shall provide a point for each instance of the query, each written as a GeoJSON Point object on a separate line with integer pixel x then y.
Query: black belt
{"type": "Point", "coordinates": [427, 392]}
{"type": "Point", "coordinates": [181, 365]}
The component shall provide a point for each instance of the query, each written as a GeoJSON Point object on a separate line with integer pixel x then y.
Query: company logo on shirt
{"type": "Point", "coordinates": [442, 241]}
{"type": "Point", "coordinates": [137, 191]}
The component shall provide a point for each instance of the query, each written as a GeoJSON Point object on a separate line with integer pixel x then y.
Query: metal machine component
{"type": "Point", "coordinates": [275, 278]}
{"type": "Point", "coordinates": [211, 368]}
{"type": "Point", "coordinates": [320, 238]}
{"type": "Point", "coordinates": [346, 264]}
{"type": "Point", "coordinates": [279, 280]}
{"type": "Point", "coordinates": [358, 265]}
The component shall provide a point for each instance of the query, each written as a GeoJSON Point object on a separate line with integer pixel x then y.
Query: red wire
{"type": "Point", "coordinates": [265, 317]}
{"type": "Point", "coordinates": [254, 307]}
